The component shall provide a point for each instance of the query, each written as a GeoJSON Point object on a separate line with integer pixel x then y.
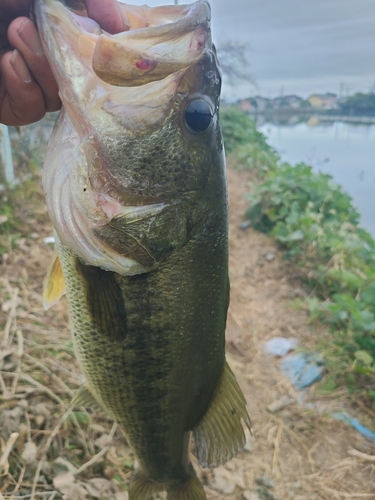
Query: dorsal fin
{"type": "Point", "coordinates": [54, 283]}
{"type": "Point", "coordinates": [219, 435]}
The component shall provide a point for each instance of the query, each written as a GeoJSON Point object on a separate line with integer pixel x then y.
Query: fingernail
{"type": "Point", "coordinates": [20, 67]}
{"type": "Point", "coordinates": [28, 34]}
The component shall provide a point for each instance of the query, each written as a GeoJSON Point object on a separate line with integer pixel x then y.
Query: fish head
{"type": "Point", "coordinates": [131, 163]}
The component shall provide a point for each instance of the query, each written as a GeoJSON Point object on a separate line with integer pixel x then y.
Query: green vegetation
{"type": "Point", "coordinates": [314, 221]}
{"type": "Point", "coordinates": [9, 223]}
{"type": "Point", "coordinates": [359, 104]}
{"type": "Point", "coordinates": [244, 142]}
{"type": "Point", "coordinates": [28, 148]}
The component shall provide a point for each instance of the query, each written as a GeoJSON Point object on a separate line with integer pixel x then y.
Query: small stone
{"type": "Point", "coordinates": [61, 480]}
{"type": "Point", "coordinates": [7, 305]}
{"type": "Point", "coordinates": [102, 441]}
{"type": "Point", "coordinates": [269, 257]}
{"type": "Point", "coordinates": [265, 481]}
{"type": "Point", "coordinates": [223, 481]}
{"type": "Point", "coordinates": [49, 239]}
{"type": "Point", "coordinates": [249, 447]}
{"type": "Point", "coordinates": [250, 495]}
{"type": "Point", "coordinates": [39, 420]}
{"type": "Point", "coordinates": [30, 452]}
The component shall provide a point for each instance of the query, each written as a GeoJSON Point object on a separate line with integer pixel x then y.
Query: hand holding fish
{"type": "Point", "coordinates": [27, 86]}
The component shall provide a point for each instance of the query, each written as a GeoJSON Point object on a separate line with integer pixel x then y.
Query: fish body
{"type": "Point", "coordinates": [135, 187]}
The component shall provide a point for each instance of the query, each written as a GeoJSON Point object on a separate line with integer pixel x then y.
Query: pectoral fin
{"type": "Point", "coordinates": [85, 398]}
{"type": "Point", "coordinates": [219, 436]}
{"type": "Point", "coordinates": [54, 283]}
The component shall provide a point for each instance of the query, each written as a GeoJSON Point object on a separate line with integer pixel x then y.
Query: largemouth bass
{"type": "Point", "coordinates": [135, 187]}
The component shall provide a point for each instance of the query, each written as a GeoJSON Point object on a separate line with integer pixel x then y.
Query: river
{"type": "Point", "coordinates": [344, 150]}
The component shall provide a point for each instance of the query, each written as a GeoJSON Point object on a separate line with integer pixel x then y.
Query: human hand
{"type": "Point", "coordinates": [27, 86]}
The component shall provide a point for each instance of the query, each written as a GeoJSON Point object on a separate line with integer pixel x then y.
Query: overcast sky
{"type": "Point", "coordinates": [299, 46]}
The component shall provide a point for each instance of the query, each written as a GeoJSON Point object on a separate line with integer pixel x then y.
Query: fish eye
{"type": "Point", "coordinates": [198, 116]}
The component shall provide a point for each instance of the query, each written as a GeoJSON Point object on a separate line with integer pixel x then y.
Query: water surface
{"type": "Point", "coordinates": [346, 151]}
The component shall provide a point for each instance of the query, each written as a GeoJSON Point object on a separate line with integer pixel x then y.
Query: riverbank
{"type": "Point", "coordinates": [313, 115]}
{"type": "Point", "coordinates": [317, 227]}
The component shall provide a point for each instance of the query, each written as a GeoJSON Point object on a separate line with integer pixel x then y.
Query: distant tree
{"type": "Point", "coordinates": [359, 104]}
{"type": "Point", "coordinates": [234, 62]}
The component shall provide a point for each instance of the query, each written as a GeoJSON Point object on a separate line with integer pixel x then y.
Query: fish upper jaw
{"type": "Point", "coordinates": [154, 51]}
{"type": "Point", "coordinates": [88, 62]}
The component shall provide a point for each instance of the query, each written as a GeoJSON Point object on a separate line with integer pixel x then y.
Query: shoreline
{"type": "Point", "coordinates": [314, 114]}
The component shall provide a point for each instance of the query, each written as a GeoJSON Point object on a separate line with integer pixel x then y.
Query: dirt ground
{"type": "Point", "coordinates": [299, 452]}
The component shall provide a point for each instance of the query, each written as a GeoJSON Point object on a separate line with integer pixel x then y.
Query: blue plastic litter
{"type": "Point", "coordinates": [302, 369]}
{"type": "Point", "coordinates": [365, 431]}
{"type": "Point", "coordinates": [245, 225]}
{"type": "Point", "coordinates": [279, 346]}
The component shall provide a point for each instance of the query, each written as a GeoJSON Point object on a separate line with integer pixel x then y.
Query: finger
{"type": "Point", "coordinates": [24, 37]}
{"type": "Point", "coordinates": [21, 98]}
{"type": "Point", "coordinates": [108, 15]}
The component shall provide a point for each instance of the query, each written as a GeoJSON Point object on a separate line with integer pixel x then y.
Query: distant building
{"type": "Point", "coordinates": [323, 101]}
{"type": "Point", "coordinates": [245, 105]}
{"type": "Point", "coordinates": [254, 104]}
{"type": "Point", "coordinates": [287, 101]}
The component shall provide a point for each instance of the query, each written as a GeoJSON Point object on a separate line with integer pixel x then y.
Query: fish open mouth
{"type": "Point", "coordinates": [156, 42]}
{"type": "Point", "coordinates": [120, 93]}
